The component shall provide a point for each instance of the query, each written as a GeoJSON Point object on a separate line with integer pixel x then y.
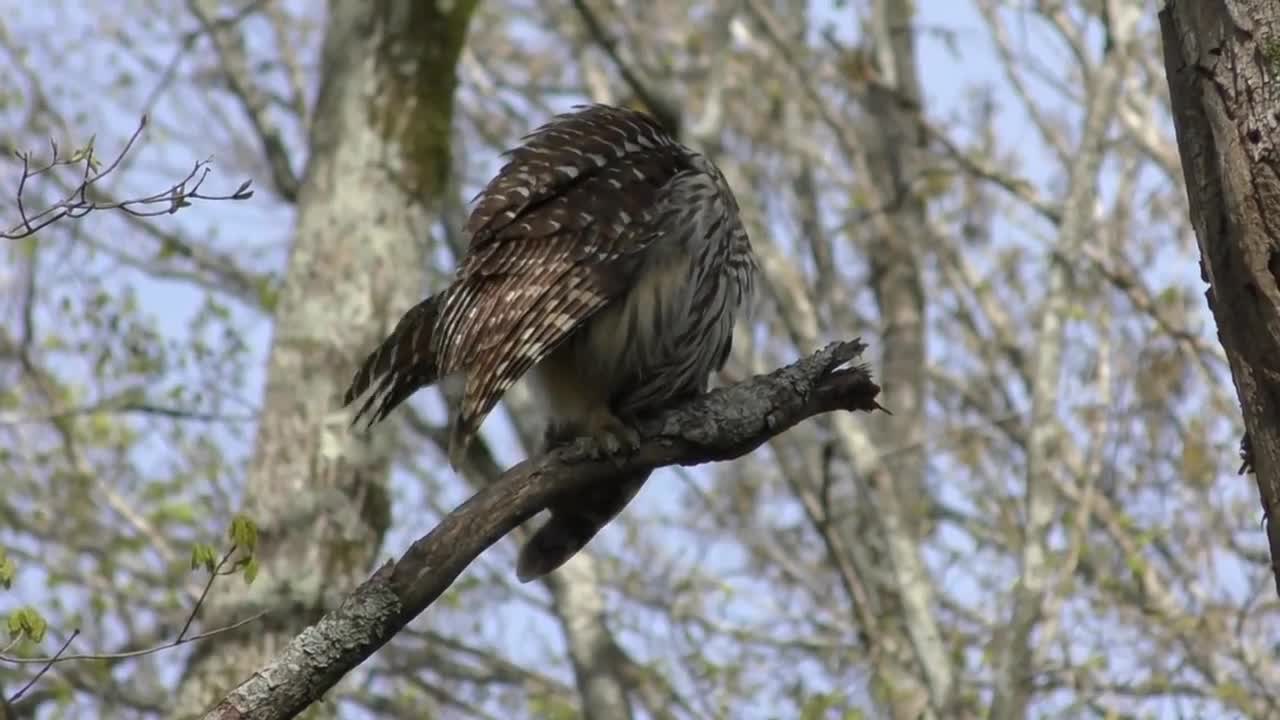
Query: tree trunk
{"type": "Point", "coordinates": [379, 160]}
{"type": "Point", "coordinates": [1016, 651]}
{"type": "Point", "coordinates": [1222, 59]}
{"type": "Point", "coordinates": [900, 496]}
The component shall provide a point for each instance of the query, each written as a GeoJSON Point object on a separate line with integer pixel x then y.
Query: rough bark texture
{"type": "Point", "coordinates": [379, 157]}
{"type": "Point", "coordinates": [1222, 58]}
{"type": "Point", "coordinates": [721, 425]}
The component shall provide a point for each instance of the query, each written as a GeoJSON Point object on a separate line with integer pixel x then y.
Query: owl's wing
{"type": "Point", "coordinates": [556, 236]}
{"type": "Point", "coordinates": [569, 150]}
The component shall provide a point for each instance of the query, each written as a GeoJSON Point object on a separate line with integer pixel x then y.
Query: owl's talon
{"type": "Point", "coordinates": [604, 436]}
{"type": "Point", "coordinates": [611, 436]}
{"type": "Point", "coordinates": [616, 440]}
{"type": "Point", "coordinates": [631, 440]}
{"type": "Point", "coordinates": [607, 444]}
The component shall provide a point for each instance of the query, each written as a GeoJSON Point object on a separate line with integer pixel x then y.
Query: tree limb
{"type": "Point", "coordinates": [230, 46]}
{"type": "Point", "coordinates": [724, 424]}
{"type": "Point", "coordinates": [657, 103]}
{"type": "Point", "coordinates": [78, 202]}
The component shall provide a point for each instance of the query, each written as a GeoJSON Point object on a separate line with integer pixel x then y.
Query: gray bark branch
{"type": "Point", "coordinates": [721, 425]}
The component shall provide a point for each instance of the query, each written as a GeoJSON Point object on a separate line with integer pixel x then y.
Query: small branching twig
{"type": "Point", "coordinates": [129, 654]}
{"type": "Point", "coordinates": [213, 575]}
{"type": "Point", "coordinates": [78, 203]}
{"type": "Point", "coordinates": [48, 664]}
{"type": "Point", "coordinates": [244, 537]}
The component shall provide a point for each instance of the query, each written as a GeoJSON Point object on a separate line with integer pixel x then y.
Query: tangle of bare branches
{"type": "Point", "coordinates": [233, 561]}
{"type": "Point", "coordinates": [80, 201]}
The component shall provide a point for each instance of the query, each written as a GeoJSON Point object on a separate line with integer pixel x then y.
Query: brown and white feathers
{"type": "Point", "coordinates": [605, 256]}
{"type": "Point", "coordinates": [557, 235]}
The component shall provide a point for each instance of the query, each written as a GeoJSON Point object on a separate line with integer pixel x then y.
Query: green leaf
{"type": "Point", "coordinates": [7, 570]}
{"type": "Point", "coordinates": [244, 533]}
{"type": "Point", "coordinates": [83, 153]}
{"type": "Point", "coordinates": [177, 511]}
{"type": "Point", "coordinates": [203, 556]}
{"type": "Point", "coordinates": [817, 706]}
{"type": "Point", "coordinates": [268, 294]}
{"type": "Point", "coordinates": [29, 622]}
{"type": "Point", "coordinates": [250, 571]}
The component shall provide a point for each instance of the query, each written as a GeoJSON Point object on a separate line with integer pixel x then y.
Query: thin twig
{"type": "Point", "coordinates": [135, 653]}
{"type": "Point", "coordinates": [181, 639]}
{"type": "Point", "coordinates": [22, 690]}
{"type": "Point", "coordinates": [661, 108]}
{"type": "Point", "coordinates": [77, 202]}
{"type": "Point", "coordinates": [205, 592]}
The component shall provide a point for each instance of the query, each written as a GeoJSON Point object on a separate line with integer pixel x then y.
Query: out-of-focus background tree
{"type": "Point", "coordinates": [1050, 524]}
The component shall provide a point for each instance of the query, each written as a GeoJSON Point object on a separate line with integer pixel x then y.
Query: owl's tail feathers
{"type": "Point", "coordinates": [574, 521]}
{"type": "Point", "coordinates": [463, 428]}
{"type": "Point", "coordinates": [404, 363]}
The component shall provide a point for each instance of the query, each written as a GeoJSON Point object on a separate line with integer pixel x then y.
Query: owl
{"type": "Point", "coordinates": [607, 264]}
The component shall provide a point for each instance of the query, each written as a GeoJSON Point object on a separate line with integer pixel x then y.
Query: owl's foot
{"type": "Point", "coordinates": [613, 436]}
{"type": "Point", "coordinates": [605, 434]}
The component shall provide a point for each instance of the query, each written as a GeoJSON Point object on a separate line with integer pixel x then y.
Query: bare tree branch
{"type": "Point", "coordinates": [662, 107]}
{"type": "Point", "coordinates": [78, 203]}
{"type": "Point", "coordinates": [230, 45]}
{"type": "Point", "coordinates": [721, 425]}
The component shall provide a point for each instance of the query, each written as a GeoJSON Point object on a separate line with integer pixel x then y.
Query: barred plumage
{"type": "Point", "coordinates": [607, 259]}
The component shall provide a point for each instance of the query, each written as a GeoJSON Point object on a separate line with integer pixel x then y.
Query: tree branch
{"type": "Point", "coordinates": [656, 102]}
{"type": "Point", "coordinates": [230, 46]}
{"type": "Point", "coordinates": [721, 425]}
{"type": "Point", "coordinates": [79, 202]}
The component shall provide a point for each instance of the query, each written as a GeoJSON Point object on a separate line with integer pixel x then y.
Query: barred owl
{"type": "Point", "coordinates": [608, 263]}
